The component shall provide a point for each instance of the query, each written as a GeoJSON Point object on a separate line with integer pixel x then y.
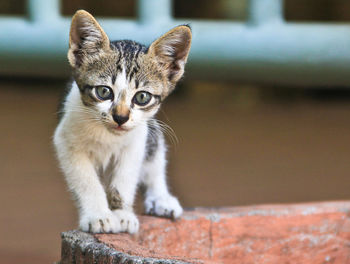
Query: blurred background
{"type": "Point", "coordinates": [251, 129]}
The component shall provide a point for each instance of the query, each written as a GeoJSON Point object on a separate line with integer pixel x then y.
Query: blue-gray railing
{"type": "Point", "coordinates": [263, 49]}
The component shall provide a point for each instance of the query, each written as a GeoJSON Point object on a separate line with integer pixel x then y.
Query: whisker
{"type": "Point", "coordinates": [165, 129]}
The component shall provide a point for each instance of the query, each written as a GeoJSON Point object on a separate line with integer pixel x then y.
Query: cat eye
{"type": "Point", "coordinates": [142, 98]}
{"type": "Point", "coordinates": [104, 93]}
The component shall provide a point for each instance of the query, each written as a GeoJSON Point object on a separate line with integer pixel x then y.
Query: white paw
{"type": "Point", "coordinates": [103, 222]}
{"type": "Point", "coordinates": [127, 220]}
{"type": "Point", "coordinates": [167, 206]}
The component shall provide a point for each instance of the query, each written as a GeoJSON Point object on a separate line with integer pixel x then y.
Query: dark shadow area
{"type": "Point", "coordinates": [317, 10]}
{"type": "Point", "coordinates": [204, 9]}
{"type": "Point", "coordinates": [17, 7]}
{"type": "Point", "coordinates": [123, 9]}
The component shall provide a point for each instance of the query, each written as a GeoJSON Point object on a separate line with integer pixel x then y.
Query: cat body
{"type": "Point", "coordinates": [108, 141]}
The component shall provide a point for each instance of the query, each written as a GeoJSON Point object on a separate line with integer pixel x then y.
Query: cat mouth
{"type": "Point", "coordinates": [116, 128]}
{"type": "Point", "coordinates": [119, 128]}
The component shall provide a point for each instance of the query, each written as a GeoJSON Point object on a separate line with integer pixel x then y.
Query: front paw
{"type": "Point", "coordinates": [127, 220]}
{"type": "Point", "coordinates": [103, 222]}
{"type": "Point", "coordinates": [166, 206]}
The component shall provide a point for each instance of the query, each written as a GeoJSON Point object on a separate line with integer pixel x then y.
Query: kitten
{"type": "Point", "coordinates": [108, 141]}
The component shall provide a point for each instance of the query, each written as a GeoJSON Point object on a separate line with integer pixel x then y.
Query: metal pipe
{"type": "Point", "coordinates": [269, 51]}
{"type": "Point", "coordinates": [43, 10]}
{"type": "Point", "coordinates": [265, 11]}
{"type": "Point", "coordinates": [154, 11]}
{"type": "Point", "coordinates": [311, 54]}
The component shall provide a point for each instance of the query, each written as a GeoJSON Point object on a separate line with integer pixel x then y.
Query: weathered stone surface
{"type": "Point", "coordinates": [316, 233]}
{"type": "Point", "coordinates": [79, 247]}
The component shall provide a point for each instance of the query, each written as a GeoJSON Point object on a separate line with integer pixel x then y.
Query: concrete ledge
{"type": "Point", "coordinates": [302, 233]}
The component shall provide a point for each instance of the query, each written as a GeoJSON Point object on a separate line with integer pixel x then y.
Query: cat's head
{"type": "Point", "coordinates": [124, 82]}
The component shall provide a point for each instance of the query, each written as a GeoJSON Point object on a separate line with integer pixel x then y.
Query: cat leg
{"type": "Point", "coordinates": [123, 186]}
{"type": "Point", "coordinates": [121, 194]}
{"type": "Point", "coordinates": [94, 214]}
{"type": "Point", "coordinates": [158, 200]}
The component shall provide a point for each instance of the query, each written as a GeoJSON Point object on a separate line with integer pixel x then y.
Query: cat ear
{"type": "Point", "coordinates": [171, 51]}
{"type": "Point", "coordinates": [86, 38]}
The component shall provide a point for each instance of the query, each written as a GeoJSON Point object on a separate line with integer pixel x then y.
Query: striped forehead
{"type": "Point", "coordinates": [121, 81]}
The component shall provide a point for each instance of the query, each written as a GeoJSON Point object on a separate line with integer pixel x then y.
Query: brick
{"type": "Point", "coordinates": [316, 233]}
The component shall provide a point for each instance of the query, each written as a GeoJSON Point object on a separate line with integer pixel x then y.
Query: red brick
{"type": "Point", "coordinates": [305, 233]}
{"type": "Point", "coordinates": [317, 233]}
